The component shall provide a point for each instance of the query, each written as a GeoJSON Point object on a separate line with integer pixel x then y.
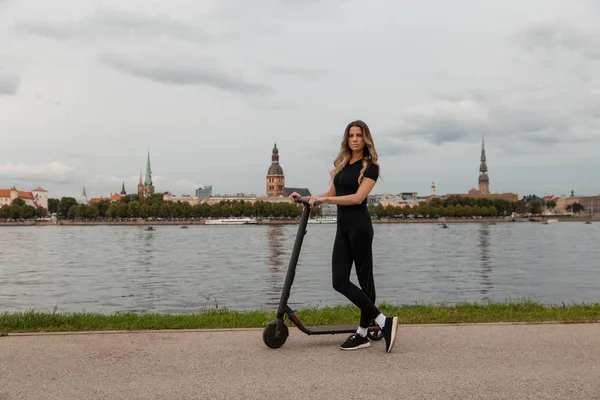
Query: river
{"type": "Point", "coordinates": [105, 269]}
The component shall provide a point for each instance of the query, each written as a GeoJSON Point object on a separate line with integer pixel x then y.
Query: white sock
{"type": "Point", "coordinates": [380, 320]}
{"type": "Point", "coordinates": [362, 331]}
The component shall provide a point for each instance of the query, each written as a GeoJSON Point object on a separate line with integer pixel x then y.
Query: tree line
{"type": "Point", "coordinates": [458, 206]}
{"type": "Point", "coordinates": [19, 210]}
{"type": "Point", "coordinates": [155, 207]}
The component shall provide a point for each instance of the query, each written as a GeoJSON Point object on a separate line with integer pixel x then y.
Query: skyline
{"type": "Point", "coordinates": [86, 88]}
{"type": "Point", "coordinates": [146, 180]}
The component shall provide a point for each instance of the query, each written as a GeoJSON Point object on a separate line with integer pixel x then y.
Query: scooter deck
{"type": "Point", "coordinates": [332, 330]}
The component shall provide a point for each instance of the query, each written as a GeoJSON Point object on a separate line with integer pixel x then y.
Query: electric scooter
{"type": "Point", "coordinates": [276, 332]}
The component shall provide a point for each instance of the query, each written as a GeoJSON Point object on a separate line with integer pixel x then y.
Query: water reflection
{"type": "Point", "coordinates": [148, 240]}
{"type": "Point", "coordinates": [143, 287]}
{"type": "Point", "coordinates": [275, 238]}
{"type": "Point", "coordinates": [486, 260]}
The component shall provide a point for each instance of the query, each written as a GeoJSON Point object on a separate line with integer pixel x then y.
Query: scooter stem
{"type": "Point", "coordinates": [291, 272]}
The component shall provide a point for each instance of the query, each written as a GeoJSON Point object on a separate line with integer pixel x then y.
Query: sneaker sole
{"type": "Point", "coordinates": [394, 329]}
{"type": "Point", "coordinates": [361, 346]}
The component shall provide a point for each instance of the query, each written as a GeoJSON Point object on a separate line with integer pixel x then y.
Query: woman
{"type": "Point", "coordinates": [353, 177]}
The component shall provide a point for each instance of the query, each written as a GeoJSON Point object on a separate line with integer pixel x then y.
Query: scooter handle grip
{"type": "Point", "coordinates": [305, 200]}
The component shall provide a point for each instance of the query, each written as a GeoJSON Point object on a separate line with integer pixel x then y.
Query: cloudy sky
{"type": "Point", "coordinates": [87, 87]}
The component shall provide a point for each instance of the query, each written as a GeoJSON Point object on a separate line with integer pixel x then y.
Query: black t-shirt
{"type": "Point", "coordinates": [346, 181]}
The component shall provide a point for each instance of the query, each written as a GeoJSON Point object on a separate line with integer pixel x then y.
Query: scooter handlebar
{"type": "Point", "coordinates": [305, 200]}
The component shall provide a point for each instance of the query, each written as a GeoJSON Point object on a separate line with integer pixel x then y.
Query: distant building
{"type": "Point", "coordinates": [37, 197]}
{"type": "Point", "coordinates": [409, 195]}
{"type": "Point", "coordinates": [146, 190]}
{"type": "Point", "coordinates": [83, 199]}
{"type": "Point", "coordinates": [532, 198]}
{"type": "Point", "coordinates": [276, 180]}
{"type": "Point", "coordinates": [484, 184]}
{"type": "Point", "coordinates": [373, 199]}
{"type": "Point", "coordinates": [591, 204]}
{"type": "Point", "coordinates": [275, 176]}
{"type": "Point", "coordinates": [191, 200]}
{"type": "Point", "coordinates": [204, 193]}
{"type": "Point", "coordinates": [328, 209]}
{"type": "Point", "coordinates": [398, 200]}
{"type": "Point", "coordinates": [113, 198]}
{"type": "Point", "coordinates": [484, 180]}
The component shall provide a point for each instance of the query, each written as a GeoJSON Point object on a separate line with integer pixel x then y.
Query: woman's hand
{"type": "Point", "coordinates": [293, 197]}
{"type": "Point", "coordinates": [312, 200]}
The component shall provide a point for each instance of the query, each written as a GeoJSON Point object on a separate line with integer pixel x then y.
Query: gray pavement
{"type": "Point", "coordinates": [484, 361]}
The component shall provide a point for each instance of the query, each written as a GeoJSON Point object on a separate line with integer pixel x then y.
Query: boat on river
{"type": "Point", "coordinates": [323, 220]}
{"type": "Point", "coordinates": [231, 221]}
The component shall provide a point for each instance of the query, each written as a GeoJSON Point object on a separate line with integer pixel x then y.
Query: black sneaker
{"type": "Point", "coordinates": [355, 342]}
{"type": "Point", "coordinates": [389, 332]}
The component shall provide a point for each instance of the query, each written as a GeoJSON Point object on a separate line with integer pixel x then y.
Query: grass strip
{"type": "Point", "coordinates": [524, 311]}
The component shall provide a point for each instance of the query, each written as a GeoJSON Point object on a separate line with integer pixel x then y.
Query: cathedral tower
{"type": "Point", "coordinates": [146, 190]}
{"type": "Point", "coordinates": [484, 180]}
{"type": "Point", "coordinates": [275, 177]}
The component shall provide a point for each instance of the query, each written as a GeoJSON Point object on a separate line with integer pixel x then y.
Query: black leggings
{"type": "Point", "coordinates": [353, 241]}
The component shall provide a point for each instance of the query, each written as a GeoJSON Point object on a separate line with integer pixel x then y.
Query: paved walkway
{"type": "Point", "coordinates": [488, 361]}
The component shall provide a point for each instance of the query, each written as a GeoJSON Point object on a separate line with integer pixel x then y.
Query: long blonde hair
{"type": "Point", "coordinates": [369, 152]}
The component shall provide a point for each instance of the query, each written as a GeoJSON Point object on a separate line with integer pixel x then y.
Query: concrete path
{"type": "Point", "coordinates": [487, 361]}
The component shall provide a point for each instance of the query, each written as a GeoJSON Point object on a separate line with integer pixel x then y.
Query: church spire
{"type": "Point", "coordinates": [123, 192]}
{"type": "Point", "coordinates": [483, 165]}
{"type": "Point", "coordinates": [484, 180]}
{"type": "Point", "coordinates": [275, 154]}
{"type": "Point", "coordinates": [83, 199]}
{"type": "Point", "coordinates": [148, 172]}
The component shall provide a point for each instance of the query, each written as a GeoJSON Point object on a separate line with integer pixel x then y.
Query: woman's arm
{"type": "Point", "coordinates": [363, 191]}
{"type": "Point", "coordinates": [329, 193]}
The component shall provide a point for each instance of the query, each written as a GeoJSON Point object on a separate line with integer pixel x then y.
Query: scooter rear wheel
{"type": "Point", "coordinates": [269, 336]}
{"type": "Point", "coordinates": [375, 335]}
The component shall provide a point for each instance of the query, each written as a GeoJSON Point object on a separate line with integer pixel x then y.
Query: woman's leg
{"type": "Point", "coordinates": [361, 241]}
{"type": "Point", "coordinates": [341, 265]}
{"type": "Point", "coordinates": [340, 272]}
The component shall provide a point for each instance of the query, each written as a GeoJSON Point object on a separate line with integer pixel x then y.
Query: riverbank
{"type": "Point", "coordinates": [526, 311]}
{"type": "Point", "coordinates": [296, 221]}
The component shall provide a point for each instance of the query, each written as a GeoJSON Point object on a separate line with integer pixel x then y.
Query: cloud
{"type": "Point", "coordinates": [553, 37]}
{"type": "Point", "coordinates": [309, 74]}
{"type": "Point", "coordinates": [263, 105]}
{"type": "Point", "coordinates": [45, 99]}
{"type": "Point", "coordinates": [9, 84]}
{"type": "Point", "coordinates": [111, 183]}
{"type": "Point", "coordinates": [53, 172]}
{"type": "Point", "coordinates": [180, 71]}
{"type": "Point", "coordinates": [520, 115]}
{"type": "Point", "coordinates": [444, 120]}
{"type": "Point", "coordinates": [183, 186]}
{"type": "Point", "coordinates": [388, 145]}
{"type": "Point", "coordinates": [117, 24]}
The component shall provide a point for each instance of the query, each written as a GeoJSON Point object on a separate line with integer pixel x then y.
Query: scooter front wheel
{"type": "Point", "coordinates": [269, 335]}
